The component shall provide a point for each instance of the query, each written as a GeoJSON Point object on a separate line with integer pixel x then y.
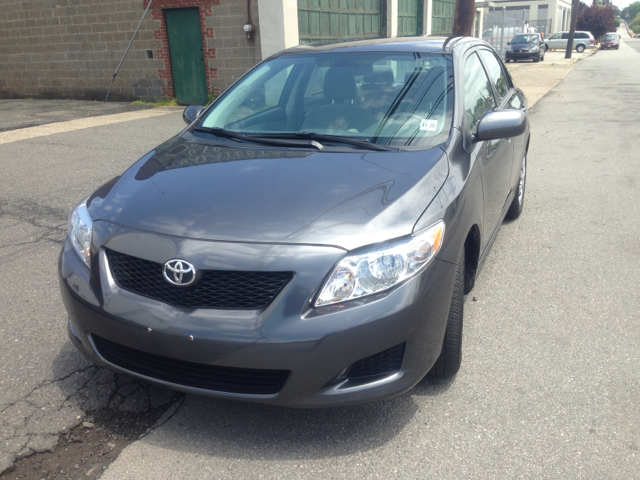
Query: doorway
{"type": "Point", "coordinates": [187, 55]}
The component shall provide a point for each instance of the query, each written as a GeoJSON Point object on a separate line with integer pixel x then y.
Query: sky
{"type": "Point", "coordinates": [622, 3]}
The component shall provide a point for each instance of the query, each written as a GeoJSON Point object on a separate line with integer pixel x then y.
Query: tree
{"type": "Point", "coordinates": [597, 20]}
{"type": "Point", "coordinates": [631, 11]}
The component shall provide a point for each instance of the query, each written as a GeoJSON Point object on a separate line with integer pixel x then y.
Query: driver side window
{"type": "Point", "coordinates": [478, 94]}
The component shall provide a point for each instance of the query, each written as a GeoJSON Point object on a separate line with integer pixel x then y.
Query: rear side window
{"type": "Point", "coordinates": [478, 95]}
{"type": "Point", "coordinates": [496, 74]}
{"type": "Point", "coordinates": [582, 35]}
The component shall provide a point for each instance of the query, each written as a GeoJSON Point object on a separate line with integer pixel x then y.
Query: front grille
{"type": "Point", "coordinates": [245, 381]}
{"type": "Point", "coordinates": [378, 365]}
{"type": "Point", "coordinates": [232, 290]}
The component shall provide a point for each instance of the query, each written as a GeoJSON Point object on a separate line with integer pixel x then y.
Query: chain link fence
{"type": "Point", "coordinates": [498, 29]}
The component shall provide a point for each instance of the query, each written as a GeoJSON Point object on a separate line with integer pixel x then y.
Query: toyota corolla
{"type": "Point", "coordinates": [309, 238]}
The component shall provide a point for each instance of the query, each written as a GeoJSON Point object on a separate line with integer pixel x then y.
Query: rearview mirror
{"type": "Point", "coordinates": [191, 113]}
{"type": "Point", "coordinates": [501, 124]}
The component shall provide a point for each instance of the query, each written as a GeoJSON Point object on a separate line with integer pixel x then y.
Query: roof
{"type": "Point", "coordinates": [401, 44]}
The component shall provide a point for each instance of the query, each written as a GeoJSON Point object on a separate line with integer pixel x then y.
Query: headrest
{"type": "Point", "coordinates": [339, 84]}
{"type": "Point", "coordinates": [381, 74]}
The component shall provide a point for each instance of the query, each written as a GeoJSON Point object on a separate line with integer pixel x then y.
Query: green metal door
{"type": "Point", "coordinates": [322, 20]}
{"type": "Point", "coordinates": [409, 18]}
{"type": "Point", "coordinates": [442, 17]}
{"type": "Point", "coordinates": [186, 53]}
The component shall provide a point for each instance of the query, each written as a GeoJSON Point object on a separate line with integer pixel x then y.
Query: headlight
{"type": "Point", "coordinates": [80, 228]}
{"type": "Point", "coordinates": [380, 268]}
{"type": "Point", "coordinates": [534, 49]}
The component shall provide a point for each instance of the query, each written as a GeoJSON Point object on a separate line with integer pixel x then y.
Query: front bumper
{"type": "Point", "coordinates": [521, 55]}
{"type": "Point", "coordinates": [315, 345]}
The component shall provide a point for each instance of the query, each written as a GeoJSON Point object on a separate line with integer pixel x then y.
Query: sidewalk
{"type": "Point", "coordinates": [536, 79]}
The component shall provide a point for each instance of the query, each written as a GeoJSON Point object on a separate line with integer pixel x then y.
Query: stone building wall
{"type": "Point", "coordinates": [71, 48]}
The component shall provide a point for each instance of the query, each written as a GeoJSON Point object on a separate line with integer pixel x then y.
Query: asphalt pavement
{"type": "Point", "coordinates": [550, 382]}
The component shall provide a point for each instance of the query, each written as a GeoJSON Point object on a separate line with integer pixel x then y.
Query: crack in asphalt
{"type": "Point", "coordinates": [34, 423]}
{"type": "Point", "coordinates": [31, 215]}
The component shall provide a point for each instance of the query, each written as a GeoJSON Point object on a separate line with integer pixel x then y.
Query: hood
{"type": "Point", "coordinates": [347, 199]}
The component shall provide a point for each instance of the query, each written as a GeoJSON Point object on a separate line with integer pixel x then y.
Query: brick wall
{"type": "Point", "coordinates": [70, 48]}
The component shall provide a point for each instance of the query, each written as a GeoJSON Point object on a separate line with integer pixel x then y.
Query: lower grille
{"type": "Point", "coordinates": [197, 375]}
{"type": "Point", "coordinates": [381, 364]}
{"type": "Point", "coordinates": [232, 290]}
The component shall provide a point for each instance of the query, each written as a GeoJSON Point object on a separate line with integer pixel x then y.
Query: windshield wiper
{"type": "Point", "coordinates": [326, 138]}
{"type": "Point", "coordinates": [221, 132]}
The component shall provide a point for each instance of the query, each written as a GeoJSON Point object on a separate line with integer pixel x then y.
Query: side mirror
{"type": "Point", "coordinates": [508, 43]}
{"type": "Point", "coordinates": [191, 113]}
{"type": "Point", "coordinates": [501, 124]}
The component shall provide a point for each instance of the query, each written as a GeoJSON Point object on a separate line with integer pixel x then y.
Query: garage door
{"type": "Point", "coordinates": [409, 18]}
{"type": "Point", "coordinates": [442, 17]}
{"type": "Point", "coordinates": [322, 20]}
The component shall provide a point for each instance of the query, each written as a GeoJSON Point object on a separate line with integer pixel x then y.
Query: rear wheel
{"type": "Point", "coordinates": [448, 363]}
{"type": "Point", "coordinates": [518, 201]}
{"type": "Point", "coordinates": [580, 48]}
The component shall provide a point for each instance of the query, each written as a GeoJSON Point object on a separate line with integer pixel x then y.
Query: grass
{"type": "Point", "coordinates": [168, 101]}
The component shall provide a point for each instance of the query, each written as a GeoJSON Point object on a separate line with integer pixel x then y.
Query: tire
{"type": "Point", "coordinates": [448, 363]}
{"type": "Point", "coordinates": [542, 57]}
{"type": "Point", "coordinates": [536, 59]}
{"type": "Point", "coordinates": [580, 48]}
{"type": "Point", "coordinates": [518, 201]}
{"type": "Point", "coordinates": [506, 60]}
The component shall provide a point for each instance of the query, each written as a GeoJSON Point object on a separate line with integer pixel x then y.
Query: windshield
{"type": "Point", "coordinates": [398, 99]}
{"type": "Point", "coordinates": [524, 39]}
{"type": "Point", "coordinates": [611, 36]}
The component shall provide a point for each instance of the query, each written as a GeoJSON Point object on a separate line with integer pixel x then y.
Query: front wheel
{"type": "Point", "coordinates": [536, 59]}
{"type": "Point", "coordinates": [580, 48]}
{"type": "Point", "coordinates": [448, 363]}
{"type": "Point", "coordinates": [518, 201]}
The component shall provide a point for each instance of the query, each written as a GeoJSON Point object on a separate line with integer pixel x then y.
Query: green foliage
{"type": "Point", "coordinates": [631, 12]}
{"type": "Point", "coordinates": [634, 25]}
{"type": "Point", "coordinates": [617, 22]}
{"type": "Point", "coordinates": [597, 20]}
{"type": "Point", "coordinates": [210, 98]}
{"type": "Point", "coordinates": [166, 101]}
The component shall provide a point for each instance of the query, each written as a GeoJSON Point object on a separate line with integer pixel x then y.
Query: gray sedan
{"type": "Point", "coordinates": [309, 239]}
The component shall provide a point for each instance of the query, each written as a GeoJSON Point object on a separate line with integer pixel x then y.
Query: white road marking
{"type": "Point", "coordinates": [79, 124]}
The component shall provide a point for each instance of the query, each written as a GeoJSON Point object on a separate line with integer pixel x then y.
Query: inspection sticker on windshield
{"type": "Point", "coordinates": [428, 125]}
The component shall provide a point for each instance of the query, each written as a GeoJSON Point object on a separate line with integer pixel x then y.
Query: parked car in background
{"type": "Point", "coordinates": [308, 239]}
{"type": "Point", "coordinates": [610, 40]}
{"type": "Point", "coordinates": [525, 46]}
{"type": "Point", "coordinates": [581, 41]}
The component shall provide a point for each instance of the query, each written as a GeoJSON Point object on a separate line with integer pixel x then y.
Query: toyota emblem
{"type": "Point", "coordinates": [179, 272]}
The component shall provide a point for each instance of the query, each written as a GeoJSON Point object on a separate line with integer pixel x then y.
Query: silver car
{"type": "Point", "coordinates": [581, 41]}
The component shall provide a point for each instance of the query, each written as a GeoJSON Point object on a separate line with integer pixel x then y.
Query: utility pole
{"type": "Point", "coordinates": [463, 18]}
{"type": "Point", "coordinates": [575, 6]}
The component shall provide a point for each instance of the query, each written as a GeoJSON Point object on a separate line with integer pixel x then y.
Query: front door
{"type": "Point", "coordinates": [187, 57]}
